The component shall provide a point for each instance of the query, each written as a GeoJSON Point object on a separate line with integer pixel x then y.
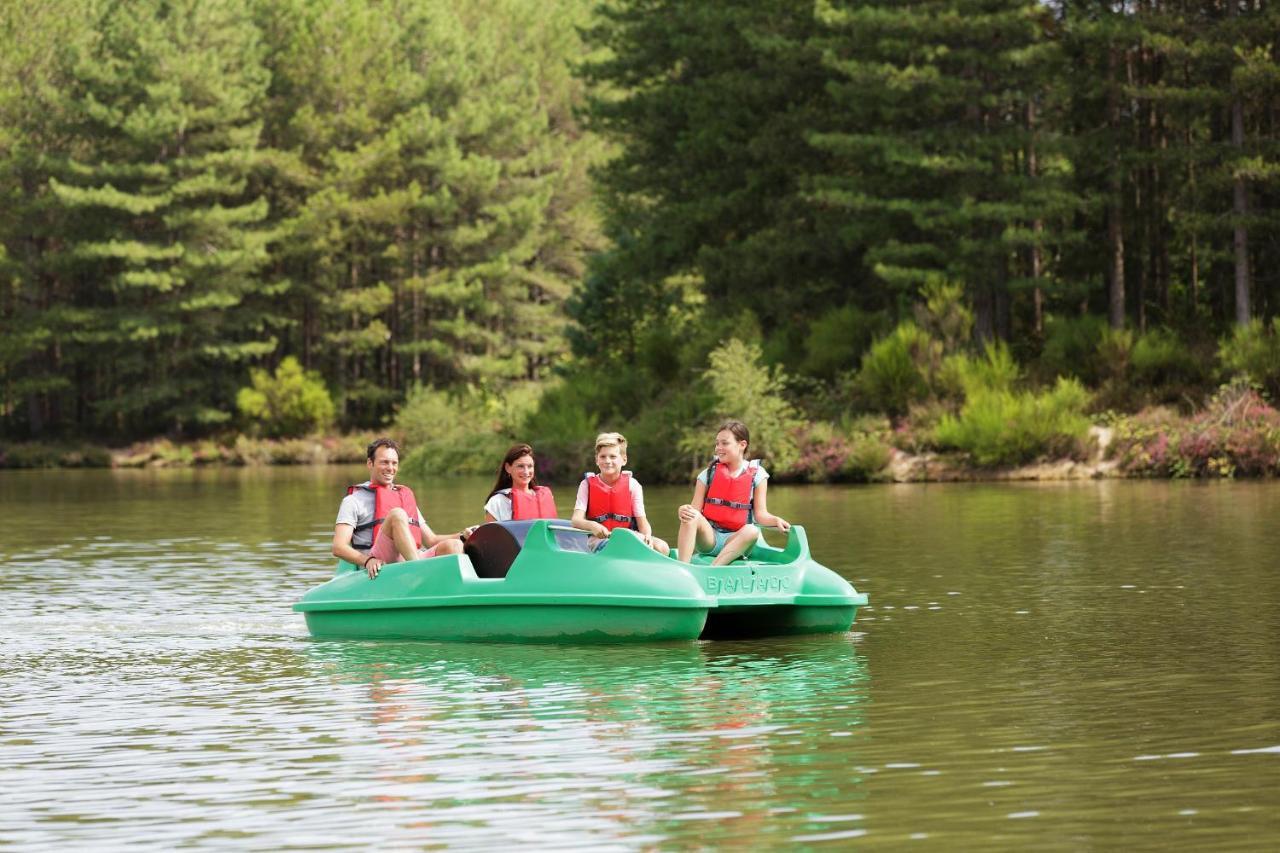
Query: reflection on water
{"type": "Point", "coordinates": [1067, 666]}
{"type": "Point", "coordinates": [604, 743]}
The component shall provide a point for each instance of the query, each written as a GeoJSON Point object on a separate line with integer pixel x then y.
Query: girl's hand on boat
{"type": "Point", "coordinates": [782, 524]}
{"type": "Point", "coordinates": [602, 533]}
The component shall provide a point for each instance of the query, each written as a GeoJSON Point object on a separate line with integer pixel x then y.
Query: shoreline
{"type": "Point", "coordinates": [902, 466]}
{"type": "Point", "coordinates": [932, 467]}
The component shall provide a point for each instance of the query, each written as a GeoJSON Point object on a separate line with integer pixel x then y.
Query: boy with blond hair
{"type": "Point", "coordinates": [612, 498]}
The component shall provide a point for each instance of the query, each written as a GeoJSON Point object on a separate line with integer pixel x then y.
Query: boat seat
{"type": "Point", "coordinates": [493, 547]}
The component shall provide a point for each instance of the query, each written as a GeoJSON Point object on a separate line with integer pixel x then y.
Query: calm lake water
{"type": "Point", "coordinates": [1069, 666]}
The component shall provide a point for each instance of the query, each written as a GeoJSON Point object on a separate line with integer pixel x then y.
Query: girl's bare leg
{"type": "Point", "coordinates": [737, 545]}
{"type": "Point", "coordinates": [693, 531]}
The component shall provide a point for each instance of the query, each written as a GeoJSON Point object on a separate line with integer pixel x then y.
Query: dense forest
{"type": "Point", "coordinates": [391, 192]}
{"type": "Point", "coordinates": [856, 224]}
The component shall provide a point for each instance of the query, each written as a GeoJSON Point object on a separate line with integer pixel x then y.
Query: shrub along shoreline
{"type": "Point", "coordinates": [925, 403]}
{"type": "Point", "coordinates": [1237, 434]}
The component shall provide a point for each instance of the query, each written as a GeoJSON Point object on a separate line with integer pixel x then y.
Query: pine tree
{"type": "Point", "coordinates": [159, 238]}
{"type": "Point", "coordinates": [38, 391]}
{"type": "Point", "coordinates": [929, 138]}
{"type": "Point", "coordinates": [710, 105]}
{"type": "Point", "coordinates": [443, 209]}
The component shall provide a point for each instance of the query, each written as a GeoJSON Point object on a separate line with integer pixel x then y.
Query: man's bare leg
{"type": "Point", "coordinates": [397, 526]}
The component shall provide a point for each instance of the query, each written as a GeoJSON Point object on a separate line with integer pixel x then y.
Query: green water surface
{"type": "Point", "coordinates": [1074, 666]}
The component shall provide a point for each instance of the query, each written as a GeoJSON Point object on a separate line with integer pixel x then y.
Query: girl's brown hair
{"type": "Point", "coordinates": [739, 431]}
{"type": "Point", "coordinates": [504, 479]}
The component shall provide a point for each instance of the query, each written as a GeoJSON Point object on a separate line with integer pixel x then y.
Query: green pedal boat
{"type": "Point", "coordinates": [541, 581]}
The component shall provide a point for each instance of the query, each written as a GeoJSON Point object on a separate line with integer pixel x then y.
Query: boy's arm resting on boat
{"type": "Point", "coordinates": [764, 518]}
{"type": "Point", "coordinates": [579, 520]}
{"type": "Point", "coordinates": [644, 529]}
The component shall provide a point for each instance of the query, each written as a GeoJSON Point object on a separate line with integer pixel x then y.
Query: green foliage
{"type": "Point", "coordinates": [43, 455]}
{"type": "Point", "coordinates": [1253, 351]}
{"type": "Point", "coordinates": [745, 389]}
{"type": "Point", "coordinates": [292, 402]}
{"type": "Point", "coordinates": [1071, 347]}
{"type": "Point", "coordinates": [1001, 427]}
{"type": "Point", "coordinates": [711, 106]}
{"type": "Point", "coordinates": [442, 206]}
{"type": "Point", "coordinates": [1115, 354]}
{"type": "Point", "coordinates": [656, 436]}
{"type": "Point", "coordinates": [154, 211]}
{"type": "Point", "coordinates": [944, 316]}
{"type": "Point", "coordinates": [463, 431]}
{"type": "Point", "coordinates": [867, 459]}
{"type": "Point", "coordinates": [837, 339]}
{"type": "Point", "coordinates": [898, 369]}
{"type": "Point", "coordinates": [963, 375]}
{"type": "Point", "coordinates": [562, 433]}
{"type": "Point", "coordinates": [1164, 363]}
{"type": "Point", "coordinates": [404, 194]}
{"type": "Point", "coordinates": [927, 124]}
{"type": "Point", "coordinates": [398, 193]}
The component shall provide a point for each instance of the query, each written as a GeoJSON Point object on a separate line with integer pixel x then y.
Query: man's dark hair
{"type": "Point", "coordinates": [381, 442]}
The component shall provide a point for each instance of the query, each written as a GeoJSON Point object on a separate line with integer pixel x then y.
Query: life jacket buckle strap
{"type": "Point", "coordinates": [728, 503]}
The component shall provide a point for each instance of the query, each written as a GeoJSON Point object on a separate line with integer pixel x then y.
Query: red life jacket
{"type": "Point", "coordinates": [384, 500]}
{"type": "Point", "coordinates": [728, 500]}
{"type": "Point", "coordinates": [539, 504]}
{"type": "Point", "coordinates": [610, 505]}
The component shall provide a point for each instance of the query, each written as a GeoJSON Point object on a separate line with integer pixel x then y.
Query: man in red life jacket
{"type": "Point", "coordinates": [379, 522]}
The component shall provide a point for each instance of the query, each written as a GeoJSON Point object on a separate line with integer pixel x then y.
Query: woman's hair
{"type": "Point", "coordinates": [739, 430]}
{"type": "Point", "coordinates": [504, 479]}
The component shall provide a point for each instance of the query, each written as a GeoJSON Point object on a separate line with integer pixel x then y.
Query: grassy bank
{"type": "Point", "coordinates": [230, 450]}
{"type": "Point", "coordinates": [1236, 434]}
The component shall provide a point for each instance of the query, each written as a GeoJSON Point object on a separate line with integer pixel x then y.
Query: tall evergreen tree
{"type": "Point", "coordinates": [159, 240]}
{"type": "Point", "coordinates": [38, 305]}
{"type": "Point", "coordinates": [710, 104]}
{"type": "Point", "coordinates": [929, 138]}
{"type": "Point", "coordinates": [441, 212]}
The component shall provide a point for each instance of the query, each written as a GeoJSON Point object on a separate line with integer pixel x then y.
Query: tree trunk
{"type": "Point", "coordinates": [1194, 274]}
{"type": "Point", "coordinates": [1240, 204]}
{"type": "Point", "coordinates": [984, 323]}
{"type": "Point", "coordinates": [1143, 203]}
{"type": "Point", "coordinates": [1115, 239]}
{"type": "Point", "coordinates": [1037, 225]}
{"type": "Point", "coordinates": [1115, 212]}
{"type": "Point", "coordinates": [1160, 246]}
{"type": "Point", "coordinates": [415, 308]}
{"type": "Point", "coordinates": [1240, 209]}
